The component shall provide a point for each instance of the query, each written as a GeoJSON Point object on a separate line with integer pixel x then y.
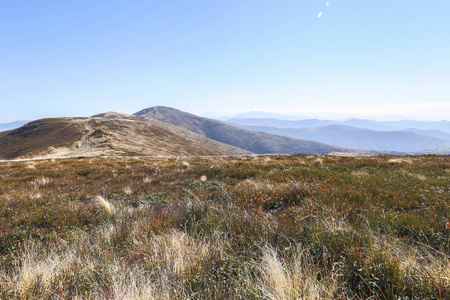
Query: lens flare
{"type": "Point", "coordinates": [320, 14]}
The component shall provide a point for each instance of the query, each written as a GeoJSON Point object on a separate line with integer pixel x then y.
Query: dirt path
{"type": "Point", "coordinates": [87, 144]}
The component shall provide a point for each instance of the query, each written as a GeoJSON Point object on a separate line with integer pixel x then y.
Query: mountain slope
{"type": "Point", "coordinates": [122, 135]}
{"type": "Point", "coordinates": [37, 136]}
{"type": "Point", "coordinates": [346, 136]}
{"type": "Point", "coordinates": [256, 142]}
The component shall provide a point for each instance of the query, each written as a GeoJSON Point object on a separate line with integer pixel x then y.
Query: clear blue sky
{"type": "Point", "coordinates": [359, 58]}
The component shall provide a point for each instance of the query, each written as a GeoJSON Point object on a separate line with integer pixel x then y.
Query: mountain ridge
{"type": "Point", "coordinates": [360, 138]}
{"type": "Point", "coordinates": [165, 131]}
{"type": "Point", "coordinates": [256, 142]}
{"type": "Point", "coordinates": [118, 135]}
{"type": "Point", "coordinates": [442, 125]}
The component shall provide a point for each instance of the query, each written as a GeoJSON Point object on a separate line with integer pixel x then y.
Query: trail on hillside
{"type": "Point", "coordinates": [87, 144]}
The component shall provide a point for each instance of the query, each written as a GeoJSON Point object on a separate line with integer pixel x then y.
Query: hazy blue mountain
{"type": "Point", "coordinates": [357, 138]}
{"type": "Point", "coordinates": [359, 123]}
{"type": "Point", "coordinates": [371, 124]}
{"type": "Point", "coordinates": [11, 125]}
{"type": "Point", "coordinates": [430, 132]}
{"type": "Point", "coordinates": [272, 122]}
{"type": "Point", "coordinates": [310, 123]}
{"type": "Point", "coordinates": [265, 115]}
{"type": "Point", "coordinates": [424, 125]}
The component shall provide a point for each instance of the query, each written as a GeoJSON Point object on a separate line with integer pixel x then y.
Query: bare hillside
{"type": "Point", "coordinates": [38, 136]}
{"type": "Point", "coordinates": [113, 134]}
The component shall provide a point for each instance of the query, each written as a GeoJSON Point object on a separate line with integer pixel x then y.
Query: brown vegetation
{"type": "Point", "coordinates": [38, 136]}
{"type": "Point", "coordinates": [273, 227]}
{"type": "Point", "coordinates": [113, 134]}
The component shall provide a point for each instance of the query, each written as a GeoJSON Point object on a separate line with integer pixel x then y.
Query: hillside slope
{"type": "Point", "coordinates": [153, 137]}
{"type": "Point", "coordinates": [37, 136]}
{"type": "Point", "coordinates": [256, 142]}
{"type": "Point", "coordinates": [110, 135]}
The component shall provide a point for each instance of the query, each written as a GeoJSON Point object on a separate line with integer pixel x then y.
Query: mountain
{"type": "Point", "coordinates": [272, 122]}
{"type": "Point", "coordinates": [264, 115]}
{"type": "Point", "coordinates": [164, 131]}
{"type": "Point", "coordinates": [371, 124]}
{"type": "Point", "coordinates": [360, 123]}
{"type": "Point", "coordinates": [107, 134]}
{"type": "Point", "coordinates": [423, 125]}
{"type": "Point", "coordinates": [430, 132]}
{"type": "Point", "coordinates": [399, 125]}
{"type": "Point", "coordinates": [310, 123]}
{"type": "Point", "coordinates": [11, 125]}
{"type": "Point", "coordinates": [357, 138]}
{"type": "Point", "coordinates": [256, 142]}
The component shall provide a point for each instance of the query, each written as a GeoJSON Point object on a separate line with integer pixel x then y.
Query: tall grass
{"type": "Point", "coordinates": [278, 227]}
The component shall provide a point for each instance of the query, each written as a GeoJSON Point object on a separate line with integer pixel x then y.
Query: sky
{"type": "Point", "coordinates": [378, 59]}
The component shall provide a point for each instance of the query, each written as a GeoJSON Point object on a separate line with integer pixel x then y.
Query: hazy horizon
{"type": "Point", "coordinates": [269, 115]}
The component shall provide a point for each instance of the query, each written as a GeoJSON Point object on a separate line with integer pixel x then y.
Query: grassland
{"type": "Point", "coordinates": [255, 227]}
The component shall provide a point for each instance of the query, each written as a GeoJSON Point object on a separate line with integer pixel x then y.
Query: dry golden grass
{"type": "Point", "coordinates": [294, 278]}
{"type": "Point", "coordinates": [105, 204]}
{"type": "Point", "coordinates": [276, 227]}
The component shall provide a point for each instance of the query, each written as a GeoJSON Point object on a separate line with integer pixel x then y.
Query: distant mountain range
{"type": "Point", "coordinates": [11, 125]}
{"type": "Point", "coordinates": [430, 132]}
{"type": "Point", "coordinates": [364, 139]}
{"type": "Point", "coordinates": [165, 131]}
{"type": "Point", "coordinates": [443, 126]}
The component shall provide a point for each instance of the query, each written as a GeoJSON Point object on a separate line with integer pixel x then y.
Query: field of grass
{"type": "Point", "coordinates": [256, 227]}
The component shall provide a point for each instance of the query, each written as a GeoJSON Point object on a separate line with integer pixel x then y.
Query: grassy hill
{"type": "Point", "coordinates": [37, 136]}
{"type": "Point", "coordinates": [256, 142]}
{"type": "Point", "coordinates": [151, 137]}
{"type": "Point", "coordinates": [109, 135]}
